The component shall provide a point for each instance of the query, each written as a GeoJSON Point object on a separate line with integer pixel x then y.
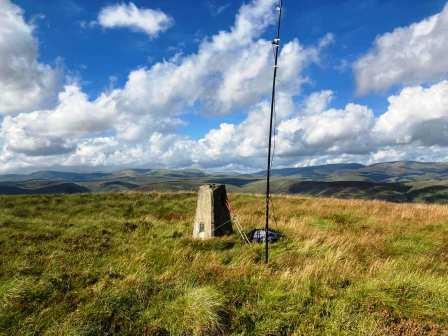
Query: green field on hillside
{"type": "Point", "coordinates": [124, 264]}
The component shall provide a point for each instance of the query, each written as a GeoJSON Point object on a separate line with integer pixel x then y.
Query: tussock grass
{"type": "Point", "coordinates": [125, 264]}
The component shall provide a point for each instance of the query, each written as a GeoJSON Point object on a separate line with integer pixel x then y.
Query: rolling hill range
{"type": "Point", "coordinates": [403, 181]}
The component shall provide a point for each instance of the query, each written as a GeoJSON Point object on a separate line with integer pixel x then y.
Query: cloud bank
{"type": "Point", "coordinates": [137, 124]}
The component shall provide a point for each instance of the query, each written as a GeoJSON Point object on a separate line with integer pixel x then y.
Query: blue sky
{"type": "Point", "coordinates": [97, 59]}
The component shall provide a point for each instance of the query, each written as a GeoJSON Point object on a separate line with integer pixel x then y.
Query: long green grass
{"type": "Point", "coordinates": [124, 264]}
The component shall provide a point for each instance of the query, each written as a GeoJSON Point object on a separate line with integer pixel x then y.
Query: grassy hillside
{"type": "Point", "coordinates": [124, 264]}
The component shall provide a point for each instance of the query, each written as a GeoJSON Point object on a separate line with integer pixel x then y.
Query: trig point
{"type": "Point", "coordinates": [212, 213]}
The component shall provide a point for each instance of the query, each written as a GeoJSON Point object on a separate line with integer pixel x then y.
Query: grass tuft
{"type": "Point", "coordinates": [199, 311]}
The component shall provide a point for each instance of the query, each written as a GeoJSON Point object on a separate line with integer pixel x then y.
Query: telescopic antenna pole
{"type": "Point", "coordinates": [276, 44]}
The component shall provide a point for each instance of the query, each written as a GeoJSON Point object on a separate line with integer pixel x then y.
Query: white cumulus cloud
{"type": "Point", "coordinates": [416, 115]}
{"type": "Point", "coordinates": [407, 55]}
{"type": "Point", "coordinates": [146, 20]}
{"type": "Point", "coordinates": [25, 83]}
{"type": "Point", "coordinates": [57, 131]}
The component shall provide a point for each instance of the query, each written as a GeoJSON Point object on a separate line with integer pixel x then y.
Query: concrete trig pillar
{"type": "Point", "coordinates": [212, 214]}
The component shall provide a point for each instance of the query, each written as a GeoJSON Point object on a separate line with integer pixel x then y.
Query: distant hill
{"type": "Point", "coordinates": [393, 181]}
{"type": "Point", "coordinates": [353, 189]}
{"type": "Point", "coordinates": [9, 188]}
{"type": "Point", "coordinates": [314, 171]}
{"type": "Point", "coordinates": [53, 176]}
{"type": "Point", "coordinates": [401, 171]}
{"type": "Point", "coordinates": [406, 171]}
{"type": "Point", "coordinates": [182, 173]}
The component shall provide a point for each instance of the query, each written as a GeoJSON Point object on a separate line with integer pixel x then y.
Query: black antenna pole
{"type": "Point", "coordinates": [276, 44]}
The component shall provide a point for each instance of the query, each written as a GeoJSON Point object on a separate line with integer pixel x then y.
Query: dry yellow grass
{"type": "Point", "coordinates": [125, 264]}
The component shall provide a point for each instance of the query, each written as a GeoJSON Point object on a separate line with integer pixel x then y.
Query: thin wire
{"type": "Point", "coordinates": [274, 139]}
{"type": "Point", "coordinates": [275, 120]}
{"type": "Point", "coordinates": [274, 216]}
{"type": "Point", "coordinates": [274, 136]}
